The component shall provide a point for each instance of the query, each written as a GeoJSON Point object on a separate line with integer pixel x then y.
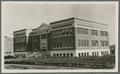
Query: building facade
{"type": "Point", "coordinates": [75, 37]}
{"type": "Point", "coordinates": [70, 37]}
{"type": "Point", "coordinates": [20, 42]}
{"type": "Point", "coordinates": [38, 42]}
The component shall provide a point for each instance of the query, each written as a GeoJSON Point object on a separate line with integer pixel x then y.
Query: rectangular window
{"type": "Point", "coordinates": [103, 33]}
{"type": "Point", "coordinates": [82, 31]}
{"type": "Point", "coordinates": [43, 36]}
{"type": "Point", "coordinates": [94, 32]}
{"type": "Point", "coordinates": [95, 43]}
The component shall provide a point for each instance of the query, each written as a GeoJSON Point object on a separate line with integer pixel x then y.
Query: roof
{"type": "Point", "coordinates": [74, 18]}
{"type": "Point", "coordinates": [19, 30]}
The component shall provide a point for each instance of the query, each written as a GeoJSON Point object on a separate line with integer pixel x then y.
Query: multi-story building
{"type": "Point", "coordinates": [77, 37]}
{"type": "Point", "coordinates": [20, 42]}
{"type": "Point", "coordinates": [70, 37]}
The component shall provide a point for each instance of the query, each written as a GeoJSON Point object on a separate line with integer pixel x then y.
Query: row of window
{"type": "Point", "coordinates": [104, 43]}
{"type": "Point", "coordinates": [20, 55]}
{"type": "Point", "coordinates": [80, 54]}
{"type": "Point", "coordinates": [94, 43]}
{"type": "Point", "coordinates": [104, 33]}
{"type": "Point", "coordinates": [43, 36]}
{"type": "Point", "coordinates": [83, 43]}
{"type": "Point", "coordinates": [63, 55]}
{"type": "Point", "coordinates": [83, 54]}
{"type": "Point", "coordinates": [104, 53]}
{"type": "Point", "coordinates": [82, 31]}
{"type": "Point", "coordinates": [20, 39]}
{"type": "Point", "coordinates": [64, 32]}
{"type": "Point", "coordinates": [20, 48]}
{"type": "Point", "coordinates": [62, 45]}
{"type": "Point", "coordinates": [93, 32]}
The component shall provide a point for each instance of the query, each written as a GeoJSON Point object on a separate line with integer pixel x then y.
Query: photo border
{"type": "Point", "coordinates": [26, 71]}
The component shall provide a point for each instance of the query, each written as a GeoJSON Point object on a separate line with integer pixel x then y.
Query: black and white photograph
{"type": "Point", "coordinates": [59, 36]}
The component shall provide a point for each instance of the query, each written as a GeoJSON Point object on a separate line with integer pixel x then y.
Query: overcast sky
{"type": "Point", "coordinates": [16, 16]}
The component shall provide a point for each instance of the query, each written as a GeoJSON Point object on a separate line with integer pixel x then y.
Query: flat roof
{"type": "Point", "coordinates": [20, 30]}
{"type": "Point", "coordinates": [74, 18]}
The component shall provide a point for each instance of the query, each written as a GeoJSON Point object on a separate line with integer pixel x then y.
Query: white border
{"type": "Point", "coordinates": [60, 70]}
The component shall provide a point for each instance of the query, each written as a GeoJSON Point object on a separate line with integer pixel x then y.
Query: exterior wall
{"type": "Point", "coordinates": [20, 41]}
{"type": "Point", "coordinates": [96, 44]}
{"type": "Point", "coordinates": [62, 36]}
{"type": "Point", "coordinates": [92, 52]}
{"type": "Point", "coordinates": [38, 41]}
{"type": "Point", "coordinates": [88, 42]}
{"type": "Point", "coordinates": [63, 42]}
{"type": "Point", "coordinates": [63, 53]}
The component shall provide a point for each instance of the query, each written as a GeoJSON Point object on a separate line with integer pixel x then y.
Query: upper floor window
{"type": "Point", "coordinates": [43, 36]}
{"type": "Point", "coordinates": [95, 43]}
{"type": "Point", "coordinates": [104, 43]}
{"type": "Point", "coordinates": [64, 32]}
{"type": "Point", "coordinates": [83, 43]}
{"type": "Point", "coordinates": [82, 31]}
{"type": "Point", "coordinates": [103, 33]}
{"type": "Point", "coordinates": [94, 32]}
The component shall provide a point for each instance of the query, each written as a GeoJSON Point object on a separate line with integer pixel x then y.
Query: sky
{"type": "Point", "coordinates": [17, 15]}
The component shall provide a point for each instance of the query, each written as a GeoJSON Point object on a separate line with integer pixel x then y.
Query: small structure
{"type": "Point", "coordinates": [8, 46]}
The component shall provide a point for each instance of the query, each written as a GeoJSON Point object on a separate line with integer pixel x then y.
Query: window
{"type": "Point", "coordinates": [79, 54]}
{"type": "Point", "coordinates": [54, 55]}
{"type": "Point", "coordinates": [57, 54]}
{"type": "Point", "coordinates": [82, 31]}
{"type": "Point", "coordinates": [64, 54]}
{"type": "Point", "coordinates": [104, 43]}
{"type": "Point", "coordinates": [70, 31]}
{"type": "Point", "coordinates": [63, 32]}
{"type": "Point", "coordinates": [103, 33]}
{"type": "Point", "coordinates": [94, 42]}
{"type": "Point", "coordinates": [87, 54]}
{"type": "Point", "coordinates": [68, 54]}
{"type": "Point", "coordinates": [60, 54]}
{"type": "Point", "coordinates": [93, 53]}
{"type": "Point", "coordinates": [71, 54]}
{"type": "Point", "coordinates": [82, 54]}
{"type": "Point", "coordinates": [94, 32]}
{"type": "Point", "coordinates": [83, 43]}
{"type": "Point", "coordinates": [79, 44]}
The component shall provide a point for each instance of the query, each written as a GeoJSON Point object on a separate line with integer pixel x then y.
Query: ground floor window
{"type": "Point", "coordinates": [83, 54]}
{"type": "Point", "coordinates": [104, 53]}
{"type": "Point", "coordinates": [63, 55]}
{"type": "Point", "coordinates": [95, 54]}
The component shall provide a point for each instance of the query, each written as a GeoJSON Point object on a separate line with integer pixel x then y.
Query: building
{"type": "Point", "coordinates": [70, 37]}
{"type": "Point", "coordinates": [20, 42]}
{"type": "Point", "coordinates": [38, 42]}
{"type": "Point", "coordinates": [75, 37]}
{"type": "Point", "coordinates": [8, 46]}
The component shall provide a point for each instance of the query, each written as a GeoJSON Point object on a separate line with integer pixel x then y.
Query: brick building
{"type": "Point", "coordinates": [75, 37]}
{"type": "Point", "coordinates": [38, 40]}
{"type": "Point", "coordinates": [20, 42]}
{"type": "Point", "coordinates": [70, 37]}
